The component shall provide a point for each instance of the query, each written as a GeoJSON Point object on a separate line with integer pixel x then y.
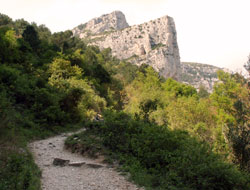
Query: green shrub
{"type": "Point", "coordinates": [167, 159]}
{"type": "Point", "coordinates": [19, 172]}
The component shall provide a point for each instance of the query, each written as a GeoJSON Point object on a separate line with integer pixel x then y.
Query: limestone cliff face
{"type": "Point", "coordinates": [153, 43]}
{"type": "Point", "coordinates": [197, 74]}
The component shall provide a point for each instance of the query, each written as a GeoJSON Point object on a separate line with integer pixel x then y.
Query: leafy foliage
{"type": "Point", "coordinates": [165, 159]}
{"type": "Point", "coordinates": [232, 97]}
{"type": "Point", "coordinates": [5, 19]}
{"type": "Point", "coordinates": [30, 35]}
{"type": "Point", "coordinates": [20, 172]}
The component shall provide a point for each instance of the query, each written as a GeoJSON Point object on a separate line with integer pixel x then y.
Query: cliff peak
{"type": "Point", "coordinates": [108, 22]}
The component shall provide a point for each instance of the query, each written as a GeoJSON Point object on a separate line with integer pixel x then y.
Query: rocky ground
{"type": "Point", "coordinates": [62, 170]}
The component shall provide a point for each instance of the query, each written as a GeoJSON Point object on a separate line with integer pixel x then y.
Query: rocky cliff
{"type": "Point", "coordinates": [108, 22]}
{"type": "Point", "coordinates": [197, 74]}
{"type": "Point", "coordinates": [153, 43]}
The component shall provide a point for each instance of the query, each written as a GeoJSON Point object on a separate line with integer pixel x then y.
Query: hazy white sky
{"type": "Point", "coordinates": [214, 32]}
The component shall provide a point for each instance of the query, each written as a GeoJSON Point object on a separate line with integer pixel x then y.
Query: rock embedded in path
{"type": "Point", "coordinates": [60, 162]}
{"type": "Point", "coordinates": [77, 164]}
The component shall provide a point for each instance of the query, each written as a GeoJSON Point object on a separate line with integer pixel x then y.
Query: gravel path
{"type": "Point", "coordinates": [92, 175]}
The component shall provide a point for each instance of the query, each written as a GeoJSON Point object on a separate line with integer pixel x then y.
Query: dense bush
{"type": "Point", "coordinates": [19, 172]}
{"type": "Point", "coordinates": [166, 159]}
{"type": "Point", "coordinates": [232, 98]}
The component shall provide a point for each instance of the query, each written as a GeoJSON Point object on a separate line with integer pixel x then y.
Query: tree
{"type": "Point", "coordinates": [8, 45]}
{"type": "Point", "coordinates": [44, 33]}
{"type": "Point", "coordinates": [232, 98]}
{"type": "Point", "coordinates": [61, 40]}
{"type": "Point", "coordinates": [146, 108]}
{"type": "Point", "coordinates": [5, 20]}
{"type": "Point", "coordinates": [197, 116]}
{"type": "Point", "coordinates": [247, 65]}
{"type": "Point", "coordinates": [20, 25]}
{"type": "Point", "coordinates": [30, 35]}
{"type": "Point", "coordinates": [81, 97]}
{"type": "Point", "coordinates": [61, 71]}
{"type": "Point", "coordinates": [203, 93]}
{"type": "Point", "coordinates": [144, 96]}
{"type": "Point", "coordinates": [179, 89]}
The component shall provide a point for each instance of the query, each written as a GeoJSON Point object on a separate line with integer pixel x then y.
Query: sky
{"type": "Point", "coordinates": [215, 32]}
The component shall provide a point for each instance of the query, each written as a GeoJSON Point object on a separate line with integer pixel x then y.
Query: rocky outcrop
{"type": "Point", "coordinates": [108, 22]}
{"type": "Point", "coordinates": [153, 43]}
{"type": "Point", "coordinates": [197, 74]}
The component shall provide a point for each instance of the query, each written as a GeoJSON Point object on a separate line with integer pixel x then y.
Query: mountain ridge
{"type": "Point", "coordinates": [153, 43]}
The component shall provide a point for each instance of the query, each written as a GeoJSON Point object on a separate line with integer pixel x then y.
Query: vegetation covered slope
{"type": "Point", "coordinates": [166, 134]}
{"type": "Point", "coordinates": [171, 137]}
{"type": "Point", "coordinates": [48, 83]}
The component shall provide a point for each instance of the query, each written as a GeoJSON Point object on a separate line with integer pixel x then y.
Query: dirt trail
{"type": "Point", "coordinates": [85, 177]}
